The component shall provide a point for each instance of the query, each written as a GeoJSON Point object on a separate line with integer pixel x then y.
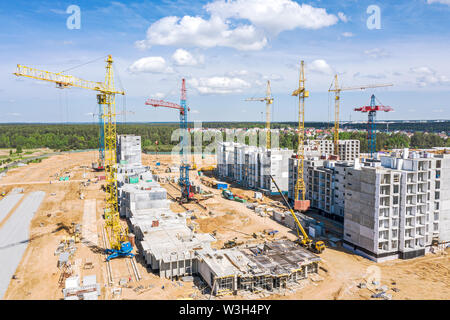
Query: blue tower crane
{"type": "Point", "coordinates": [186, 194]}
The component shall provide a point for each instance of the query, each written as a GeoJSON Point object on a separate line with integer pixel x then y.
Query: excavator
{"type": "Point", "coordinates": [303, 240]}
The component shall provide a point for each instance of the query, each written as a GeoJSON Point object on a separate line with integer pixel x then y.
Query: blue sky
{"type": "Point", "coordinates": [227, 50]}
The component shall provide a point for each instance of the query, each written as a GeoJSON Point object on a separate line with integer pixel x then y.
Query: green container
{"type": "Point", "coordinates": [123, 162]}
{"type": "Point", "coordinates": [134, 180]}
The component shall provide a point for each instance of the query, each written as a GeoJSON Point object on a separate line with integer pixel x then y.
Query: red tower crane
{"type": "Point", "coordinates": [371, 124]}
{"type": "Point", "coordinates": [186, 194]}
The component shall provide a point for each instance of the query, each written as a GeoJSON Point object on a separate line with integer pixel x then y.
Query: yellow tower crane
{"type": "Point", "coordinates": [269, 101]}
{"type": "Point", "coordinates": [106, 98]}
{"type": "Point", "coordinates": [300, 203]}
{"type": "Point", "coordinates": [337, 90]}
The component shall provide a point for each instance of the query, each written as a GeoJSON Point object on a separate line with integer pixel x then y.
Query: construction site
{"type": "Point", "coordinates": [249, 222]}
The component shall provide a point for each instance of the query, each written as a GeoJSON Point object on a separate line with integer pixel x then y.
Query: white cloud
{"type": "Point", "coordinates": [150, 65]}
{"type": "Point", "coordinates": [14, 114]}
{"type": "Point", "coordinates": [376, 53]}
{"type": "Point", "coordinates": [422, 70]}
{"type": "Point", "coordinates": [348, 34]}
{"type": "Point", "coordinates": [158, 95]}
{"type": "Point", "coordinates": [194, 111]}
{"type": "Point", "coordinates": [274, 77]}
{"type": "Point", "coordinates": [218, 85]}
{"type": "Point", "coordinates": [58, 11]}
{"type": "Point", "coordinates": [196, 31]}
{"type": "Point", "coordinates": [342, 17]}
{"type": "Point", "coordinates": [370, 76]}
{"type": "Point", "coordinates": [274, 16]}
{"type": "Point", "coordinates": [439, 1]}
{"type": "Point", "coordinates": [426, 76]}
{"type": "Point", "coordinates": [237, 73]}
{"type": "Point", "coordinates": [182, 57]}
{"type": "Point", "coordinates": [320, 66]}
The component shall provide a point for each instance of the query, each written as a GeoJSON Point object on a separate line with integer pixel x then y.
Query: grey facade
{"type": "Point", "coordinates": [251, 166]}
{"type": "Point", "coordinates": [325, 185]}
{"type": "Point", "coordinates": [349, 150]}
{"type": "Point", "coordinates": [129, 149]}
{"type": "Point", "coordinates": [393, 208]}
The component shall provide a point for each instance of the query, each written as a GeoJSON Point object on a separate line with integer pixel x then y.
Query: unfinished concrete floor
{"type": "Point", "coordinates": [37, 275]}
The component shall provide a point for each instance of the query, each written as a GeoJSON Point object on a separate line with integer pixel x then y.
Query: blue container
{"type": "Point", "coordinates": [318, 230]}
{"type": "Point", "coordinates": [222, 185]}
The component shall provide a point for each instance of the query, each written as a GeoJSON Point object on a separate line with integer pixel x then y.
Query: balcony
{"type": "Point", "coordinates": [408, 235]}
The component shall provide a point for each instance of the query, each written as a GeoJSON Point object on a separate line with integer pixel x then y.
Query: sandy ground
{"type": "Point", "coordinates": [37, 275]}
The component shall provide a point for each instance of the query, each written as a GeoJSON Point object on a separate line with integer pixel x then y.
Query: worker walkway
{"type": "Point", "coordinates": [8, 203]}
{"type": "Point", "coordinates": [14, 237]}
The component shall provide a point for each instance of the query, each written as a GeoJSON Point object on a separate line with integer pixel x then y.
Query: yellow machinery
{"type": "Point", "coordinates": [300, 202]}
{"type": "Point", "coordinates": [337, 90]}
{"type": "Point", "coordinates": [269, 101]}
{"type": "Point", "coordinates": [303, 239]}
{"type": "Point", "coordinates": [106, 98]}
{"type": "Point", "coordinates": [207, 168]}
{"type": "Point", "coordinates": [194, 165]}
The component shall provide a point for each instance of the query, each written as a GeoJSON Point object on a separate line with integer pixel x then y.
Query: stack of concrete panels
{"type": "Point", "coordinates": [288, 220]}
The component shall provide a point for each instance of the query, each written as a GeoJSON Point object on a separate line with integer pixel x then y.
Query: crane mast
{"type": "Point", "coordinates": [371, 123]}
{"type": "Point", "coordinates": [337, 90]}
{"type": "Point", "coordinates": [269, 101]}
{"type": "Point", "coordinates": [184, 182]}
{"type": "Point", "coordinates": [106, 100]}
{"type": "Point", "coordinates": [300, 189]}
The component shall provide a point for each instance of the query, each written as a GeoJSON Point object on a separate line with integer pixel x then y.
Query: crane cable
{"type": "Point", "coordinates": [83, 64]}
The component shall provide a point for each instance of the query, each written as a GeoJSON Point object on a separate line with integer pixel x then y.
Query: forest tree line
{"type": "Point", "coordinates": [64, 137]}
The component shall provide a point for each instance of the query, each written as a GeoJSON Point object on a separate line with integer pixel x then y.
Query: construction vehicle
{"type": "Point", "coordinates": [371, 123]}
{"type": "Point", "coordinates": [227, 194]}
{"type": "Point", "coordinates": [270, 232]}
{"type": "Point", "coordinates": [106, 97]}
{"type": "Point", "coordinates": [76, 232]}
{"type": "Point", "coordinates": [231, 244]}
{"type": "Point", "coordinates": [337, 90]}
{"type": "Point", "coordinates": [303, 239]}
{"type": "Point", "coordinates": [239, 199]}
{"type": "Point", "coordinates": [186, 194]}
{"type": "Point", "coordinates": [207, 168]}
{"type": "Point", "coordinates": [3, 194]}
{"type": "Point", "coordinates": [268, 99]}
